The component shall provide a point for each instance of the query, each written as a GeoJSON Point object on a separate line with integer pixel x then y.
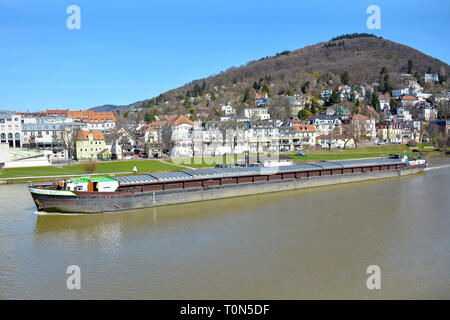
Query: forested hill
{"type": "Point", "coordinates": [350, 59]}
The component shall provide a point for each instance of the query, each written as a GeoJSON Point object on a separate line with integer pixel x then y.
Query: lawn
{"type": "Point", "coordinates": [316, 155]}
{"type": "Point", "coordinates": [144, 166]}
{"type": "Point", "coordinates": [205, 162]}
{"type": "Point", "coordinates": [102, 167]}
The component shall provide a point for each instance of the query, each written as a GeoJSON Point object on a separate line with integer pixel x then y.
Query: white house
{"type": "Point", "coordinates": [258, 113]}
{"type": "Point", "coordinates": [430, 77]}
{"type": "Point", "coordinates": [228, 110]}
{"type": "Point", "coordinates": [182, 137]}
{"type": "Point", "coordinates": [326, 124]}
{"type": "Point", "coordinates": [11, 128]}
{"type": "Point", "coordinates": [403, 115]}
{"type": "Point", "coordinates": [400, 92]}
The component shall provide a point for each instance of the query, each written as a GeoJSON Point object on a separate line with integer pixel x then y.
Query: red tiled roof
{"type": "Point", "coordinates": [359, 117]}
{"type": "Point", "coordinates": [261, 96]}
{"type": "Point", "coordinates": [56, 112]}
{"type": "Point", "coordinates": [158, 123]}
{"type": "Point", "coordinates": [409, 98]}
{"type": "Point", "coordinates": [304, 128]}
{"type": "Point", "coordinates": [182, 120]}
{"type": "Point", "coordinates": [84, 135]}
{"type": "Point", "coordinates": [83, 116]}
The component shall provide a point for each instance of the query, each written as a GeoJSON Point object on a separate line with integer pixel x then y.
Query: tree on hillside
{"type": "Point", "coordinates": [375, 103]}
{"type": "Point", "coordinates": [305, 86]}
{"type": "Point", "coordinates": [387, 85]}
{"type": "Point", "coordinates": [187, 103]}
{"type": "Point", "coordinates": [345, 78]}
{"type": "Point", "coordinates": [333, 99]}
{"type": "Point", "coordinates": [149, 117]}
{"type": "Point", "coordinates": [266, 89]}
{"type": "Point", "coordinates": [314, 106]}
{"type": "Point", "coordinates": [410, 66]}
{"type": "Point", "coordinates": [304, 115]}
{"type": "Point", "coordinates": [246, 95]}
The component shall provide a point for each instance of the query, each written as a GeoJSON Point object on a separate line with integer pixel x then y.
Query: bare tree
{"type": "Point", "coordinates": [123, 142]}
{"type": "Point", "coordinates": [166, 137]}
{"type": "Point", "coordinates": [349, 132]}
{"type": "Point", "coordinates": [356, 130]}
{"type": "Point", "coordinates": [67, 140]}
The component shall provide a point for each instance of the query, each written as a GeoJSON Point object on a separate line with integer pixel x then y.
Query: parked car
{"type": "Point", "coordinates": [381, 143]}
{"type": "Point", "coordinates": [299, 148]}
{"type": "Point", "coordinates": [301, 154]}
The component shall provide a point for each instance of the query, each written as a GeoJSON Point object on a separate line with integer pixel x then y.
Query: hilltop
{"type": "Point", "coordinates": [350, 59]}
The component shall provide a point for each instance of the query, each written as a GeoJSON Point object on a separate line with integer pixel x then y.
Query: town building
{"type": "Point", "coordinates": [431, 77]}
{"type": "Point", "coordinates": [90, 144]}
{"type": "Point", "coordinates": [326, 124]}
{"type": "Point", "coordinates": [427, 112]}
{"type": "Point", "coordinates": [11, 128]}
{"type": "Point", "coordinates": [182, 138]}
{"type": "Point", "coordinates": [408, 101]}
{"type": "Point", "coordinates": [326, 94]}
{"type": "Point", "coordinates": [365, 125]}
{"type": "Point", "coordinates": [228, 110]}
{"type": "Point", "coordinates": [390, 132]}
{"type": "Point", "coordinates": [94, 120]}
{"type": "Point", "coordinates": [261, 99]}
{"type": "Point", "coordinates": [257, 113]}
{"type": "Point", "coordinates": [403, 114]}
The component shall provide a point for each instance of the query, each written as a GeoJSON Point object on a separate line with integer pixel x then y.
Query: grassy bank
{"type": "Point", "coordinates": [102, 168]}
{"type": "Point", "coordinates": [145, 166]}
{"type": "Point", "coordinates": [205, 162]}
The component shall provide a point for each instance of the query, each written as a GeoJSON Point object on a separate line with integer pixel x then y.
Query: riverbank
{"type": "Point", "coordinates": [36, 174]}
{"type": "Point", "coordinates": [18, 175]}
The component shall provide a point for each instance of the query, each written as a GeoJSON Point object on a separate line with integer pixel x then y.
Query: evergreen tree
{"type": "Point", "coordinates": [266, 89]}
{"type": "Point", "coordinates": [387, 85]}
{"type": "Point", "coordinates": [375, 102]}
{"type": "Point", "coordinates": [303, 115]}
{"type": "Point", "coordinates": [149, 117]}
{"type": "Point", "coordinates": [246, 94]}
{"type": "Point", "coordinates": [333, 99]}
{"type": "Point", "coordinates": [345, 78]}
{"type": "Point", "coordinates": [410, 66]}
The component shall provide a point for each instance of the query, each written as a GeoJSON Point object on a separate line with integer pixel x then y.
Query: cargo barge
{"type": "Point", "coordinates": [110, 194]}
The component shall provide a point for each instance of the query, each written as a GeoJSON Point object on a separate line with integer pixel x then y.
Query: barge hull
{"type": "Point", "coordinates": [120, 201]}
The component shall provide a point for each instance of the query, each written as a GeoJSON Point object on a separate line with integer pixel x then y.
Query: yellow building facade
{"type": "Point", "coordinates": [91, 145]}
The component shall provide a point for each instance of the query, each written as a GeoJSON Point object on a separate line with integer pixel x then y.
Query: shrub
{"type": "Point", "coordinates": [89, 167]}
{"type": "Point", "coordinates": [411, 143]}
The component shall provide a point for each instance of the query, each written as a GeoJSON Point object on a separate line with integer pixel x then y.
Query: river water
{"type": "Point", "coordinates": [304, 244]}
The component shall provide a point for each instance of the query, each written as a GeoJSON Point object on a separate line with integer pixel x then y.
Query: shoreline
{"type": "Point", "coordinates": [25, 179]}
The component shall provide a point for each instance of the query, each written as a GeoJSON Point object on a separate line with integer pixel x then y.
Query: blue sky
{"type": "Point", "coordinates": [130, 50]}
